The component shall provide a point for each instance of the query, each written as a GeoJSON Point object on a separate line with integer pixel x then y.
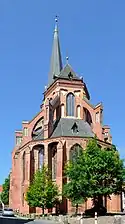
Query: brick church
{"type": "Point", "coordinates": [66, 120]}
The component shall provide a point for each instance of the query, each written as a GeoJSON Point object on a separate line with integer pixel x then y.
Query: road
{"type": "Point", "coordinates": [15, 220]}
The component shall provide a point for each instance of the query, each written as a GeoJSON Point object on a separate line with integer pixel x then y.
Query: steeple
{"type": "Point", "coordinates": [56, 61]}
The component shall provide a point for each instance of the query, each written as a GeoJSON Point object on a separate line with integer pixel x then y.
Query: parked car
{"type": "Point", "coordinates": [8, 212]}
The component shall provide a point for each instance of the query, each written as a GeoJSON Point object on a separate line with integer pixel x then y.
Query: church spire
{"type": "Point", "coordinates": [56, 61]}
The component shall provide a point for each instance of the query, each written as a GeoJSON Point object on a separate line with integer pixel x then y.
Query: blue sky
{"type": "Point", "coordinates": [92, 32]}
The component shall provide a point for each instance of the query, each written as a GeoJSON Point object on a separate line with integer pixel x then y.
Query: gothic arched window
{"type": "Point", "coordinates": [24, 166]}
{"type": "Point", "coordinates": [74, 152]}
{"type": "Point", "coordinates": [70, 101]}
{"type": "Point", "coordinates": [38, 127]}
{"type": "Point", "coordinates": [41, 158]}
{"type": "Point", "coordinates": [54, 162]}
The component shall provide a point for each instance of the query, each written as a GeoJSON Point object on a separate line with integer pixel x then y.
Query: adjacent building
{"type": "Point", "coordinates": [66, 121]}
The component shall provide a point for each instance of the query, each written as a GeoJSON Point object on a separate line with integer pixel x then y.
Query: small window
{"type": "Point", "coordinates": [25, 131]}
{"type": "Point", "coordinates": [18, 140]}
{"type": "Point", "coordinates": [75, 128]}
{"type": "Point", "coordinates": [97, 117]}
{"type": "Point", "coordinates": [70, 75]}
{"type": "Point", "coordinates": [78, 111]}
{"type": "Point", "coordinates": [106, 134]}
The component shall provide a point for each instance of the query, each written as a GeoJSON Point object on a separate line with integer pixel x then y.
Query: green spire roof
{"type": "Point", "coordinates": [56, 60]}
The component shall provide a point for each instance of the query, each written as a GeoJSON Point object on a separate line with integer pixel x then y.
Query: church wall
{"type": "Point", "coordinates": [60, 87]}
{"type": "Point", "coordinates": [15, 178]}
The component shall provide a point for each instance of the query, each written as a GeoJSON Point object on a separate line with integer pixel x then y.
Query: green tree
{"type": "Point", "coordinates": [76, 189]}
{"type": "Point", "coordinates": [96, 172]}
{"type": "Point", "coordinates": [5, 192]}
{"type": "Point", "coordinates": [106, 169]}
{"type": "Point", "coordinates": [42, 192]}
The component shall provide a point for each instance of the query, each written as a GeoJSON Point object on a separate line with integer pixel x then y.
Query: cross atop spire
{"type": "Point", "coordinates": [56, 60]}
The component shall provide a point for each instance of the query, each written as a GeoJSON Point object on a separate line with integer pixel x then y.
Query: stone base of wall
{"type": "Point", "coordinates": [113, 206]}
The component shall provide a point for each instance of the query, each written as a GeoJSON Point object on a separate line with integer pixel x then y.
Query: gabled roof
{"type": "Point", "coordinates": [68, 73]}
{"type": "Point", "coordinates": [64, 127]}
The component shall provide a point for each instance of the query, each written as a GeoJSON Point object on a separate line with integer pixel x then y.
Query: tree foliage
{"type": "Point", "coordinates": [5, 191]}
{"type": "Point", "coordinates": [76, 190]}
{"type": "Point", "coordinates": [42, 192]}
{"type": "Point", "coordinates": [94, 173]}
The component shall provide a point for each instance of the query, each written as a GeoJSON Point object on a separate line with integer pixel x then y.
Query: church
{"type": "Point", "coordinates": [66, 121]}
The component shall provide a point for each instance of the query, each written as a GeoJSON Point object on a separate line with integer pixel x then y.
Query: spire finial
{"type": "Point", "coordinates": [56, 19]}
{"type": "Point", "coordinates": [56, 23]}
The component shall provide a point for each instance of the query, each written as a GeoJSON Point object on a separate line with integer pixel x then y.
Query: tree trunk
{"type": "Point", "coordinates": [76, 209]}
{"type": "Point", "coordinates": [105, 201]}
{"type": "Point", "coordinates": [100, 200]}
{"type": "Point", "coordinates": [43, 210]}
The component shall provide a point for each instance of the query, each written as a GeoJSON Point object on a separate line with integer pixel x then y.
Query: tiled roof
{"type": "Point", "coordinates": [67, 72]}
{"type": "Point", "coordinates": [40, 136]}
{"type": "Point", "coordinates": [64, 127]}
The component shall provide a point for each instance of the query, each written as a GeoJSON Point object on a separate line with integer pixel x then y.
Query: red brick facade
{"type": "Point", "coordinates": [25, 155]}
{"type": "Point", "coordinates": [1, 188]}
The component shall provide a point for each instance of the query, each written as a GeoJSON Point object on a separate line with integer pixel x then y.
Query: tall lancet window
{"type": "Point", "coordinates": [41, 158]}
{"type": "Point", "coordinates": [74, 152]}
{"type": "Point", "coordinates": [70, 102]}
{"type": "Point", "coordinates": [54, 162]}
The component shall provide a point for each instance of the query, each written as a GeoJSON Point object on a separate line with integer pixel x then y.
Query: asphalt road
{"type": "Point", "coordinates": [15, 220]}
